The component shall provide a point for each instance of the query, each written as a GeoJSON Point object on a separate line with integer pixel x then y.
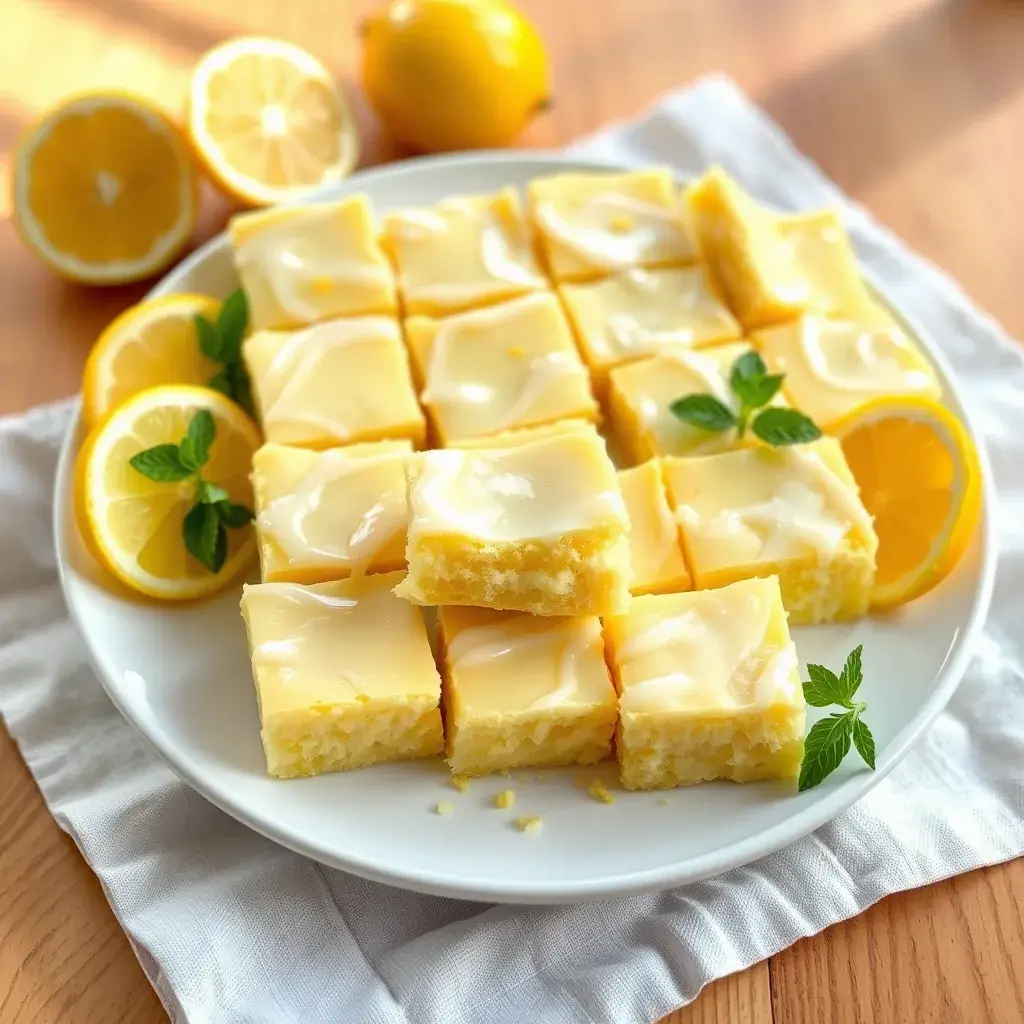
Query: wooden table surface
{"type": "Point", "coordinates": [915, 107]}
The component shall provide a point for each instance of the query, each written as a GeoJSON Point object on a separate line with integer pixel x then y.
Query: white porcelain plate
{"type": "Point", "coordinates": [181, 677]}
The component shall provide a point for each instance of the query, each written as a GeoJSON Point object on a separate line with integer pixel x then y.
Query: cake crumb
{"type": "Point", "coordinates": [530, 824]}
{"type": "Point", "coordinates": [663, 802]}
{"type": "Point", "coordinates": [517, 351]}
{"type": "Point", "coordinates": [444, 807]}
{"type": "Point", "coordinates": [543, 776]}
{"type": "Point", "coordinates": [599, 791]}
{"type": "Point", "coordinates": [505, 799]}
{"type": "Point", "coordinates": [620, 222]}
{"type": "Point", "coordinates": [362, 698]}
{"type": "Point", "coordinates": [460, 783]}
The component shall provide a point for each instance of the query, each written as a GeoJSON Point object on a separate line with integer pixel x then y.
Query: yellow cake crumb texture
{"type": "Point", "coordinates": [439, 390]}
{"type": "Point", "coordinates": [532, 823]}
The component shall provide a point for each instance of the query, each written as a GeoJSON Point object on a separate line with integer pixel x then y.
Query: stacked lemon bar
{"type": "Point", "coordinates": [439, 393]}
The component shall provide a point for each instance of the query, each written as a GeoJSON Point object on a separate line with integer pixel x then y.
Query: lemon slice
{"type": "Point", "coordinates": [132, 524]}
{"type": "Point", "coordinates": [149, 344]}
{"type": "Point", "coordinates": [920, 477]}
{"type": "Point", "coordinates": [104, 189]}
{"type": "Point", "coordinates": [268, 121]}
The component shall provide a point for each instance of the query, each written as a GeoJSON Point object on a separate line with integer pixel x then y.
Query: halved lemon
{"type": "Point", "coordinates": [920, 478]}
{"type": "Point", "coordinates": [268, 120]}
{"type": "Point", "coordinates": [149, 344]}
{"type": "Point", "coordinates": [132, 524]}
{"type": "Point", "coordinates": [104, 189]}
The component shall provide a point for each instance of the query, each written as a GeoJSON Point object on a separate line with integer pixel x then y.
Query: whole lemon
{"type": "Point", "coordinates": [454, 74]}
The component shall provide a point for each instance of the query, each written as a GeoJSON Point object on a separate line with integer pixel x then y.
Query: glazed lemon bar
{"type": "Point", "coordinates": [590, 225]}
{"type": "Point", "coordinates": [654, 548]}
{"type": "Point", "coordinates": [708, 687]}
{"type": "Point", "coordinates": [640, 312]}
{"type": "Point", "coordinates": [791, 512]}
{"type": "Point", "coordinates": [520, 690]}
{"type": "Point", "coordinates": [773, 267]}
{"type": "Point", "coordinates": [640, 396]}
{"type": "Point", "coordinates": [302, 264]}
{"type": "Point", "coordinates": [326, 515]}
{"type": "Point", "coordinates": [334, 383]}
{"type": "Point", "coordinates": [344, 675]}
{"type": "Point", "coordinates": [539, 526]}
{"type": "Point", "coordinates": [833, 368]}
{"type": "Point", "coordinates": [461, 254]}
{"type": "Point", "coordinates": [490, 370]}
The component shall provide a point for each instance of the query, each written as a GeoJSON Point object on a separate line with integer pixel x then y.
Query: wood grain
{"type": "Point", "coordinates": [915, 107]}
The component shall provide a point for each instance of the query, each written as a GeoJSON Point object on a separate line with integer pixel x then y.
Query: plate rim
{"type": "Point", "coordinates": [691, 869]}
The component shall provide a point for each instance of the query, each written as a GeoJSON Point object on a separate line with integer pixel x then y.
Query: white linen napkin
{"type": "Point", "coordinates": [232, 928]}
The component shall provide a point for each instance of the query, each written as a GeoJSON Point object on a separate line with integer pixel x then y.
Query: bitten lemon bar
{"type": "Point", "coordinates": [520, 690]}
{"type": "Point", "coordinates": [335, 383]}
{"type": "Point", "coordinates": [708, 687]}
{"type": "Point", "coordinates": [640, 395]}
{"type": "Point", "coordinates": [490, 370]}
{"type": "Point", "coordinates": [302, 264]}
{"type": "Point", "coordinates": [463, 253]}
{"type": "Point", "coordinates": [344, 675]}
{"type": "Point", "coordinates": [654, 549]}
{"type": "Point", "coordinates": [538, 527]}
{"type": "Point", "coordinates": [773, 267]}
{"type": "Point", "coordinates": [327, 515]}
{"type": "Point", "coordinates": [834, 368]}
{"type": "Point", "coordinates": [640, 312]}
{"type": "Point", "coordinates": [791, 512]}
{"type": "Point", "coordinates": [590, 225]}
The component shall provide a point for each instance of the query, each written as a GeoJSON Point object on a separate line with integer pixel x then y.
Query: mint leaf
{"type": "Point", "coordinates": [209, 338]}
{"type": "Point", "coordinates": [704, 412]}
{"type": "Point", "coordinates": [210, 494]}
{"type": "Point", "coordinates": [234, 516]}
{"type": "Point", "coordinates": [162, 463]}
{"type": "Point", "coordinates": [864, 742]}
{"type": "Point", "coordinates": [194, 450]}
{"type": "Point", "coordinates": [852, 674]}
{"type": "Point", "coordinates": [749, 367]}
{"type": "Point", "coordinates": [231, 324]}
{"type": "Point", "coordinates": [240, 387]}
{"type": "Point", "coordinates": [784, 427]}
{"type": "Point", "coordinates": [221, 381]}
{"type": "Point", "coordinates": [755, 392]}
{"type": "Point", "coordinates": [826, 745]}
{"type": "Point", "coordinates": [823, 688]}
{"type": "Point", "coordinates": [205, 536]}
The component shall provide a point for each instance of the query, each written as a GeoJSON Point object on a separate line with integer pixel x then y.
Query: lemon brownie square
{"type": "Point", "coordinates": [835, 367]}
{"type": "Point", "coordinates": [344, 675]}
{"type": "Point", "coordinates": [539, 526]}
{"type": "Point", "coordinates": [708, 687]}
{"type": "Point", "coordinates": [790, 512]}
{"type": "Point", "coordinates": [590, 225]}
{"type": "Point", "coordinates": [655, 552]}
{"type": "Point", "coordinates": [521, 690]}
{"type": "Point", "coordinates": [302, 264]}
{"type": "Point", "coordinates": [490, 370]}
{"type": "Point", "coordinates": [773, 267]}
{"type": "Point", "coordinates": [463, 253]}
{"type": "Point", "coordinates": [327, 515]}
{"type": "Point", "coordinates": [640, 312]}
{"type": "Point", "coordinates": [334, 383]}
{"type": "Point", "coordinates": [640, 397]}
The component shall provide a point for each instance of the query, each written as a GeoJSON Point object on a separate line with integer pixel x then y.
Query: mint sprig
{"type": "Point", "coordinates": [829, 740]}
{"type": "Point", "coordinates": [753, 388]}
{"type": "Point", "coordinates": [221, 341]}
{"type": "Point", "coordinates": [204, 528]}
